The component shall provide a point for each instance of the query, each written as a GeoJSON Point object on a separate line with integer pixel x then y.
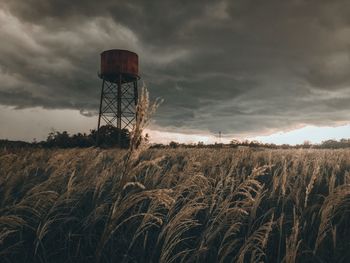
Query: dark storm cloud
{"type": "Point", "coordinates": [236, 66]}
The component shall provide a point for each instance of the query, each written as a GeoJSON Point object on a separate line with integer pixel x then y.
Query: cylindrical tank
{"type": "Point", "coordinates": [116, 63]}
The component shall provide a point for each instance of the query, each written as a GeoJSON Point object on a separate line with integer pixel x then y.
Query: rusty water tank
{"type": "Point", "coordinates": [119, 64]}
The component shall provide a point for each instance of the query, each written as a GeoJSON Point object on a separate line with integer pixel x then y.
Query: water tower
{"type": "Point", "coordinates": [119, 95]}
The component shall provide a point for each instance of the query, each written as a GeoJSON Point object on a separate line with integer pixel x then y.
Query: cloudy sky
{"type": "Point", "coordinates": [247, 68]}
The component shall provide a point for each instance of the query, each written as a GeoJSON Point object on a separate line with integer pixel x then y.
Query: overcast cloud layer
{"type": "Point", "coordinates": [236, 66]}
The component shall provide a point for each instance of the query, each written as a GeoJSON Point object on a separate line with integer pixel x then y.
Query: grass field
{"type": "Point", "coordinates": [175, 205]}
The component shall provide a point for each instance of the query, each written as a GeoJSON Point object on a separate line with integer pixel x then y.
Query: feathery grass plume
{"type": "Point", "coordinates": [176, 233]}
{"type": "Point", "coordinates": [72, 179]}
{"type": "Point", "coordinates": [333, 207]}
{"type": "Point", "coordinates": [333, 178]}
{"type": "Point", "coordinates": [144, 112]}
{"type": "Point", "coordinates": [122, 208]}
{"type": "Point", "coordinates": [41, 232]}
{"type": "Point", "coordinates": [222, 214]}
{"type": "Point", "coordinates": [248, 189]}
{"type": "Point", "coordinates": [233, 213]}
{"type": "Point", "coordinates": [292, 241]}
{"type": "Point", "coordinates": [231, 240]}
{"type": "Point", "coordinates": [312, 181]}
{"type": "Point", "coordinates": [256, 243]}
{"type": "Point", "coordinates": [255, 206]}
{"type": "Point", "coordinates": [138, 143]}
{"type": "Point", "coordinates": [276, 181]}
{"type": "Point", "coordinates": [283, 181]}
{"type": "Point", "coordinates": [148, 171]}
{"type": "Point", "coordinates": [133, 185]}
{"type": "Point", "coordinates": [154, 218]}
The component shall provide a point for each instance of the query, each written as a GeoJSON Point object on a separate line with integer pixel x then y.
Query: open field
{"type": "Point", "coordinates": [175, 205]}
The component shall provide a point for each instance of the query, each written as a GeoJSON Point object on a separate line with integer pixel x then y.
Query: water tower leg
{"type": "Point", "coordinates": [136, 98]}
{"type": "Point", "coordinates": [136, 94]}
{"type": "Point", "coordinates": [99, 115]}
{"type": "Point", "coordinates": [119, 109]}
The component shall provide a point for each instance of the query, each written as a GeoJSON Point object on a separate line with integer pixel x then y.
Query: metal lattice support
{"type": "Point", "coordinates": [118, 104]}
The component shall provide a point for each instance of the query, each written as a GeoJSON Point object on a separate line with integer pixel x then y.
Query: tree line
{"type": "Point", "coordinates": [108, 137]}
{"type": "Point", "coordinates": [328, 144]}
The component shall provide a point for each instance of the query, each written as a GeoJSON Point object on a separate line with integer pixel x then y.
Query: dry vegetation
{"type": "Point", "coordinates": [176, 205]}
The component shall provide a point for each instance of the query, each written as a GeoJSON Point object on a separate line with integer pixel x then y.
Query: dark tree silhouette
{"type": "Point", "coordinates": [108, 138]}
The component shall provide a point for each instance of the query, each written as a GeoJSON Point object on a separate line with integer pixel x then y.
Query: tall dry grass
{"type": "Point", "coordinates": [174, 205]}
